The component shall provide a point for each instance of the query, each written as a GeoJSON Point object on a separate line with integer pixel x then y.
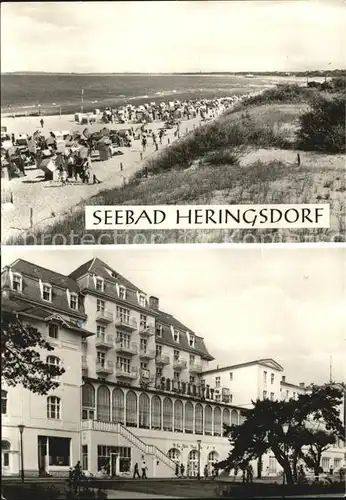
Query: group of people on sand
{"type": "Point", "coordinates": [75, 166]}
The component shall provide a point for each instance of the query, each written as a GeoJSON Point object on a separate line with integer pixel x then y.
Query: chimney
{"type": "Point", "coordinates": [283, 379]}
{"type": "Point", "coordinates": [154, 303]}
{"type": "Point", "coordinates": [302, 384]}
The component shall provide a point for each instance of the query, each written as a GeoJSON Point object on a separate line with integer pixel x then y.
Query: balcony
{"type": "Point", "coordinates": [104, 341]}
{"type": "Point", "coordinates": [125, 323]}
{"type": "Point", "coordinates": [126, 373]}
{"type": "Point", "coordinates": [147, 354]}
{"type": "Point", "coordinates": [179, 364]}
{"type": "Point", "coordinates": [146, 377]}
{"type": "Point", "coordinates": [161, 359]}
{"type": "Point", "coordinates": [146, 330]}
{"type": "Point", "coordinates": [105, 368]}
{"type": "Point", "coordinates": [104, 316]}
{"type": "Point", "coordinates": [126, 347]}
{"type": "Point", "coordinates": [195, 368]}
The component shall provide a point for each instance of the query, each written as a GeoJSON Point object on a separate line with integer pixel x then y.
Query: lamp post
{"type": "Point", "coordinates": [284, 430]}
{"type": "Point", "coordinates": [199, 459]}
{"type": "Point", "coordinates": [21, 429]}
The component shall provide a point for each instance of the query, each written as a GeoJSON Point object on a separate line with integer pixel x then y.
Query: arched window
{"type": "Point", "coordinates": [53, 363]}
{"type": "Point", "coordinates": [198, 419]}
{"type": "Point", "coordinates": [144, 411]}
{"type": "Point", "coordinates": [234, 417]}
{"type": "Point", "coordinates": [131, 409]}
{"type": "Point", "coordinates": [189, 417]}
{"type": "Point", "coordinates": [167, 414]}
{"type": "Point", "coordinates": [5, 454]}
{"type": "Point", "coordinates": [178, 416]}
{"type": "Point", "coordinates": [213, 457]}
{"type": "Point", "coordinates": [118, 406]}
{"type": "Point", "coordinates": [217, 421]}
{"type": "Point", "coordinates": [156, 420]}
{"type": "Point", "coordinates": [53, 407]}
{"type": "Point", "coordinates": [88, 402]}
{"type": "Point", "coordinates": [208, 420]}
{"type": "Point", "coordinates": [174, 455]}
{"type": "Point", "coordinates": [226, 418]}
{"type": "Point", "coordinates": [192, 464]}
{"type": "Point", "coordinates": [103, 404]}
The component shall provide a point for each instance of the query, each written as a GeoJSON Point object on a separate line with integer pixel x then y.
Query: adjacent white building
{"type": "Point", "coordinates": [137, 384]}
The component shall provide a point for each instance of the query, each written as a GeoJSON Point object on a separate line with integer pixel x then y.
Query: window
{"type": "Point", "coordinates": [58, 448]}
{"type": "Point", "coordinates": [123, 339]}
{"type": "Point", "coordinates": [101, 330]}
{"type": "Point", "coordinates": [156, 420]}
{"type": "Point", "coordinates": [176, 355]}
{"type": "Point", "coordinates": [100, 305]}
{"type": "Point", "coordinates": [192, 359]}
{"type": "Point", "coordinates": [103, 404]}
{"type": "Point", "coordinates": [53, 330]}
{"type": "Point", "coordinates": [142, 300]}
{"type": "Point", "coordinates": [144, 411]}
{"type": "Point", "coordinates": [3, 402]}
{"type": "Point", "coordinates": [192, 379]}
{"type": "Point", "coordinates": [191, 340]}
{"type": "Point", "coordinates": [174, 455]}
{"type": "Point", "coordinates": [17, 282]}
{"type": "Point", "coordinates": [53, 407]}
{"type": "Point", "coordinates": [217, 421]}
{"type": "Point", "coordinates": [217, 382]}
{"type": "Point", "coordinates": [104, 458]}
{"type": "Point", "coordinates": [198, 419]}
{"type": "Point", "coordinates": [143, 321]}
{"type": "Point", "coordinates": [122, 293]}
{"type": "Point", "coordinates": [178, 416]}
{"type": "Point", "coordinates": [88, 402]}
{"type": "Point", "coordinates": [123, 364]}
{"type": "Point", "coordinates": [325, 463]}
{"type": "Point", "coordinates": [188, 417]}
{"type": "Point", "coordinates": [53, 363]}
{"type": "Point", "coordinates": [265, 378]}
{"type": "Point", "coordinates": [101, 358]}
{"type": "Point", "coordinates": [5, 453]}
{"type": "Point", "coordinates": [85, 457]}
{"type": "Point", "coordinates": [175, 336]}
{"type": "Point", "coordinates": [208, 423]}
{"type": "Point", "coordinates": [143, 345]}
{"type": "Point", "coordinates": [118, 406]}
{"type": "Point", "coordinates": [74, 301]}
{"type": "Point", "coordinates": [272, 378]}
{"type": "Point", "coordinates": [131, 409]}
{"type": "Point", "coordinates": [176, 375]}
{"type": "Point", "coordinates": [159, 330]}
{"type": "Point", "coordinates": [144, 365]}
{"type": "Point", "coordinates": [231, 376]}
{"type": "Point", "coordinates": [159, 372]}
{"type": "Point", "coordinates": [99, 284]}
{"type": "Point", "coordinates": [47, 292]}
{"type": "Point", "coordinates": [158, 350]}
{"type": "Point", "coordinates": [272, 465]}
{"type": "Point", "coordinates": [272, 396]}
{"type": "Point", "coordinates": [264, 394]}
{"type": "Point", "coordinates": [167, 415]}
{"type": "Point", "coordinates": [123, 314]}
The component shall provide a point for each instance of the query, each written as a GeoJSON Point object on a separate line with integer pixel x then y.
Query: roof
{"type": "Point", "coordinates": [269, 362]}
{"type": "Point", "coordinates": [289, 384]}
{"type": "Point", "coordinates": [45, 275]}
{"type": "Point", "coordinates": [169, 320]}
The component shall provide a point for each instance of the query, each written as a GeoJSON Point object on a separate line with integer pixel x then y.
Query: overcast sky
{"type": "Point", "coordinates": [173, 36]}
{"type": "Point", "coordinates": [284, 303]}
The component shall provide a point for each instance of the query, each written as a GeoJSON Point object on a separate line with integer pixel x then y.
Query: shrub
{"type": "Point", "coordinates": [322, 128]}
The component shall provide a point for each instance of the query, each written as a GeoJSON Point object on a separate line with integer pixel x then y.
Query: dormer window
{"type": "Point", "coordinates": [191, 340]}
{"type": "Point", "coordinates": [159, 330]}
{"type": "Point", "coordinates": [74, 301]}
{"type": "Point", "coordinates": [122, 292]}
{"type": "Point", "coordinates": [142, 300]}
{"type": "Point", "coordinates": [99, 284]}
{"type": "Point", "coordinates": [17, 282]}
{"type": "Point", "coordinates": [176, 355]}
{"type": "Point", "coordinates": [176, 336]}
{"type": "Point", "coordinates": [47, 292]}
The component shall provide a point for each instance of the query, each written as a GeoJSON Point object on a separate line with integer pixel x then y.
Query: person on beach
{"type": "Point", "coordinates": [96, 180]}
{"type": "Point", "coordinates": [161, 135]}
{"type": "Point", "coordinates": [144, 142]}
{"type": "Point", "coordinates": [42, 122]}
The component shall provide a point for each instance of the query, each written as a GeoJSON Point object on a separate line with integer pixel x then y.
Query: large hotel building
{"type": "Point", "coordinates": [137, 382]}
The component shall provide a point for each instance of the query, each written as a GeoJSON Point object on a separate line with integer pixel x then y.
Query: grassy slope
{"type": "Point", "coordinates": [261, 176]}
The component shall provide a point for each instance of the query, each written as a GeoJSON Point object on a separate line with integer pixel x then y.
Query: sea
{"type": "Point", "coordinates": [32, 94]}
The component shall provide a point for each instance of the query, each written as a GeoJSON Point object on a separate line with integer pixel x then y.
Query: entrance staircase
{"type": "Point", "coordinates": [147, 449]}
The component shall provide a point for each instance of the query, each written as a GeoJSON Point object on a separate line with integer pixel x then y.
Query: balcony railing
{"type": "Point", "coordinates": [104, 316]}
{"type": "Point", "coordinates": [127, 347]}
{"type": "Point", "coordinates": [122, 371]}
{"type": "Point", "coordinates": [146, 353]}
{"type": "Point", "coordinates": [195, 367]}
{"type": "Point", "coordinates": [179, 364]}
{"type": "Point", "coordinates": [146, 330]}
{"type": "Point", "coordinates": [126, 323]}
{"type": "Point", "coordinates": [105, 341]}
{"type": "Point", "coordinates": [105, 368]}
{"type": "Point", "coordinates": [162, 359]}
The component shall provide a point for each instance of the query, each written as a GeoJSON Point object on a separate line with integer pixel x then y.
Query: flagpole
{"type": "Point", "coordinates": [82, 101]}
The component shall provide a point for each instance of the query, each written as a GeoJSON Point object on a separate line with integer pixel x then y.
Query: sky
{"type": "Point", "coordinates": [175, 36]}
{"type": "Point", "coordinates": [248, 303]}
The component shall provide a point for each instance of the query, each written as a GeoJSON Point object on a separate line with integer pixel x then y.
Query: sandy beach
{"type": "Point", "coordinates": [49, 199]}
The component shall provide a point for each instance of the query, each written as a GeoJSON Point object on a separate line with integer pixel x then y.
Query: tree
{"type": "Point", "coordinates": [263, 429]}
{"type": "Point", "coordinates": [20, 358]}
